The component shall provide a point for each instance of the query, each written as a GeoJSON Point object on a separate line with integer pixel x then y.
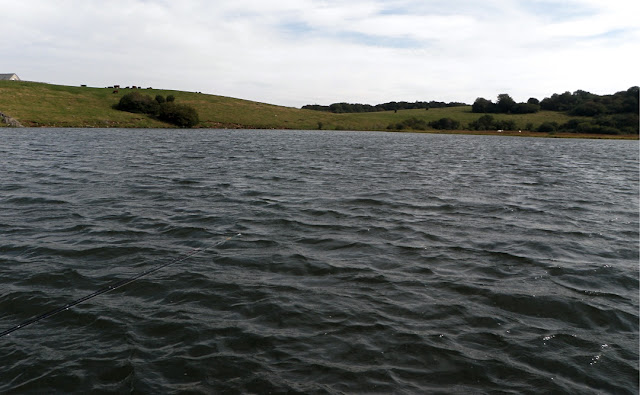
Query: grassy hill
{"type": "Point", "coordinates": [40, 104]}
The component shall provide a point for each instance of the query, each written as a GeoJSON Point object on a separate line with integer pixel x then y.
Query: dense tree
{"type": "Point", "coordinates": [525, 108]}
{"type": "Point", "coordinates": [505, 103]}
{"type": "Point", "coordinates": [343, 107]}
{"type": "Point", "coordinates": [588, 109]}
{"type": "Point", "coordinates": [316, 107]}
{"type": "Point", "coordinates": [482, 105]}
{"type": "Point", "coordinates": [549, 103]}
{"type": "Point", "coordinates": [584, 103]}
{"type": "Point", "coordinates": [562, 102]}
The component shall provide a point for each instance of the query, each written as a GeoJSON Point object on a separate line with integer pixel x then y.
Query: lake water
{"type": "Point", "coordinates": [367, 262]}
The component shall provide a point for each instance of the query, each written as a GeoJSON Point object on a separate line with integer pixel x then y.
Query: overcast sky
{"type": "Point", "coordinates": [296, 52]}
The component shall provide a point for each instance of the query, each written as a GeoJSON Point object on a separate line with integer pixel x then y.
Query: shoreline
{"type": "Point", "coordinates": [555, 135]}
{"type": "Point", "coordinates": [551, 135]}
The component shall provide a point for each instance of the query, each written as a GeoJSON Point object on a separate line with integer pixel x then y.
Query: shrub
{"type": "Point", "coordinates": [179, 114]}
{"type": "Point", "coordinates": [548, 127]}
{"type": "Point", "coordinates": [485, 122]}
{"type": "Point", "coordinates": [160, 99]}
{"type": "Point", "coordinates": [627, 123]}
{"type": "Point", "coordinates": [571, 125]}
{"type": "Point", "coordinates": [506, 124]}
{"type": "Point", "coordinates": [588, 127]}
{"type": "Point", "coordinates": [410, 123]}
{"type": "Point", "coordinates": [171, 98]}
{"type": "Point", "coordinates": [415, 123]}
{"type": "Point", "coordinates": [138, 103]}
{"type": "Point", "coordinates": [445, 124]}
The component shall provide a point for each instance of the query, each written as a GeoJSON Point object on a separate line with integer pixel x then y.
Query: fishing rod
{"type": "Point", "coordinates": [114, 286]}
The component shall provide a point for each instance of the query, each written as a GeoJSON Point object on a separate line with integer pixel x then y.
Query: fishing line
{"type": "Point", "coordinates": [113, 286]}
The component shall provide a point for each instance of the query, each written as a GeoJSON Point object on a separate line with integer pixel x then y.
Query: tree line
{"type": "Point", "coordinates": [610, 114]}
{"type": "Point", "coordinates": [165, 109]}
{"type": "Point", "coordinates": [612, 125]}
{"type": "Point", "coordinates": [578, 103]}
{"type": "Point", "coordinates": [599, 114]}
{"type": "Point", "coordinates": [340, 108]}
{"type": "Point", "coordinates": [505, 105]}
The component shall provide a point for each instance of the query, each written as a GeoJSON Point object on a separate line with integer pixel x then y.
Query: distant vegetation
{"type": "Point", "coordinates": [163, 109]}
{"type": "Point", "coordinates": [487, 122]}
{"type": "Point", "coordinates": [47, 105]}
{"type": "Point", "coordinates": [506, 105]}
{"type": "Point", "coordinates": [341, 108]}
{"type": "Point", "coordinates": [615, 114]}
{"type": "Point", "coordinates": [609, 114]}
{"type": "Point", "coordinates": [420, 124]}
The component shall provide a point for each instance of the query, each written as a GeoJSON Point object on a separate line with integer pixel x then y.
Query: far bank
{"type": "Point", "coordinates": [45, 105]}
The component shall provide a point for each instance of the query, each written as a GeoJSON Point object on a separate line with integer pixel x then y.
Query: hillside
{"type": "Point", "coordinates": [39, 104]}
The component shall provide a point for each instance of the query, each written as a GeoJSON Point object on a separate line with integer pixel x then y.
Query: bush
{"type": "Point", "coordinates": [626, 123]}
{"type": "Point", "coordinates": [548, 127]}
{"type": "Point", "coordinates": [410, 123]}
{"type": "Point", "coordinates": [138, 103]}
{"type": "Point", "coordinates": [179, 114]}
{"type": "Point", "coordinates": [445, 124]}
{"type": "Point", "coordinates": [610, 124]}
{"type": "Point", "coordinates": [485, 122]}
{"type": "Point", "coordinates": [506, 125]}
{"type": "Point", "coordinates": [166, 110]}
{"type": "Point", "coordinates": [417, 124]}
{"type": "Point", "coordinates": [571, 125]}
{"type": "Point", "coordinates": [588, 127]}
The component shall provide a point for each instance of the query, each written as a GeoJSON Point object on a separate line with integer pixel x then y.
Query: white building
{"type": "Point", "coordinates": [9, 77]}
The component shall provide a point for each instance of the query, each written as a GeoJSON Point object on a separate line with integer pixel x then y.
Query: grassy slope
{"type": "Point", "coordinates": [38, 104]}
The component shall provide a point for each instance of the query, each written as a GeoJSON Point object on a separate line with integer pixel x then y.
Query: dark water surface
{"type": "Point", "coordinates": [368, 262]}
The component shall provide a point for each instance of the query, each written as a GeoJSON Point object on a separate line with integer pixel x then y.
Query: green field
{"type": "Point", "coordinates": [40, 104]}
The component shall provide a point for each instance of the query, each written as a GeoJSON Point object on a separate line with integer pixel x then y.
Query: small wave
{"type": "Point", "coordinates": [27, 200]}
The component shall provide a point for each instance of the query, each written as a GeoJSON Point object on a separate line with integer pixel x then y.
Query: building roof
{"type": "Point", "coordinates": [12, 76]}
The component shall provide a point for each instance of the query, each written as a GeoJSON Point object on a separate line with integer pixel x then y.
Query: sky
{"type": "Point", "coordinates": [297, 52]}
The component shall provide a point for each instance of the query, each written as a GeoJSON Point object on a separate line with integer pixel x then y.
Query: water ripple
{"type": "Point", "coordinates": [368, 262]}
